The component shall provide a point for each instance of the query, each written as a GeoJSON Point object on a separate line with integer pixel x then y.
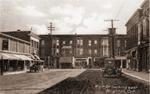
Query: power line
{"type": "Point", "coordinates": [121, 7]}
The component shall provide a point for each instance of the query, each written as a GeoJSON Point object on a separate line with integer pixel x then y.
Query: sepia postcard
{"type": "Point", "coordinates": [74, 46]}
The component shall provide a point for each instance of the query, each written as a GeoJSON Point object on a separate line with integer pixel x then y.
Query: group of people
{"type": "Point", "coordinates": [37, 68]}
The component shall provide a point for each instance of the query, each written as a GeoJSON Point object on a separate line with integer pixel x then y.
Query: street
{"type": "Point", "coordinates": [92, 82]}
{"type": "Point", "coordinates": [32, 83]}
{"type": "Point", "coordinates": [68, 81]}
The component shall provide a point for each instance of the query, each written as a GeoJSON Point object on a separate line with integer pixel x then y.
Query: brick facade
{"type": "Point", "coordinates": [27, 36]}
{"type": "Point", "coordinates": [81, 49]}
{"type": "Point", "coordinates": [14, 54]}
{"type": "Point", "coordinates": [138, 39]}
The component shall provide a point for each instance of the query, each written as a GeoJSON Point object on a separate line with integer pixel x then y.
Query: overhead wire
{"type": "Point", "coordinates": [121, 7]}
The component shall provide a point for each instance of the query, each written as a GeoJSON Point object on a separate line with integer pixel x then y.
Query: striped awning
{"type": "Point", "coordinates": [9, 56]}
{"type": "Point", "coordinates": [23, 57]}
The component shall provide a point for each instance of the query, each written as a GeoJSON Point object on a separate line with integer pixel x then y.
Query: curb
{"type": "Point", "coordinates": [137, 79]}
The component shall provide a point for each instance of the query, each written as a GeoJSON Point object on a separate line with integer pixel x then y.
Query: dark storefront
{"type": "Point", "coordinates": [66, 62]}
{"type": "Point", "coordinates": [144, 58]}
{"type": "Point", "coordinates": [13, 62]}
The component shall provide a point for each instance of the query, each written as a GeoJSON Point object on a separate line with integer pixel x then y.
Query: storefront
{"type": "Point", "coordinates": [144, 58]}
{"type": "Point", "coordinates": [66, 62]}
{"type": "Point", "coordinates": [99, 62]}
{"type": "Point", "coordinates": [132, 62]}
{"type": "Point", "coordinates": [121, 61]}
{"type": "Point", "coordinates": [81, 62]}
{"type": "Point", "coordinates": [10, 62]}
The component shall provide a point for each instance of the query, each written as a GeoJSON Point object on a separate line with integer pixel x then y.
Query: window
{"type": "Point", "coordinates": [81, 42]}
{"type": "Point", "coordinates": [57, 42]}
{"type": "Point", "coordinates": [81, 51]}
{"type": "Point", "coordinates": [118, 43]}
{"type": "Point", "coordinates": [71, 42]}
{"type": "Point", "coordinates": [141, 32]}
{"type": "Point", "coordinates": [70, 51]}
{"type": "Point", "coordinates": [105, 42]}
{"type": "Point", "coordinates": [95, 51]}
{"type": "Point", "coordinates": [125, 43]}
{"type": "Point", "coordinates": [105, 47]}
{"type": "Point", "coordinates": [147, 27]}
{"type": "Point", "coordinates": [78, 41]}
{"type": "Point", "coordinates": [5, 45]}
{"type": "Point", "coordinates": [57, 50]}
{"type": "Point", "coordinates": [95, 41]}
{"type": "Point", "coordinates": [37, 44]}
{"type": "Point", "coordinates": [32, 43]}
{"type": "Point", "coordinates": [64, 42]}
{"type": "Point", "coordinates": [118, 52]}
{"type": "Point", "coordinates": [90, 42]}
{"type": "Point", "coordinates": [90, 51]}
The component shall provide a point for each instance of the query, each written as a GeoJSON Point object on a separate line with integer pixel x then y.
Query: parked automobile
{"type": "Point", "coordinates": [34, 68]}
{"type": "Point", "coordinates": [110, 69]}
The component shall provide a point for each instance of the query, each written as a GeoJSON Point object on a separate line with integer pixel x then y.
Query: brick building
{"type": "Point", "coordinates": [27, 36]}
{"type": "Point", "coordinates": [79, 51]}
{"type": "Point", "coordinates": [132, 39]}
{"type": "Point", "coordinates": [144, 37]}
{"type": "Point", "coordinates": [14, 54]}
{"type": "Point", "coordinates": [19, 46]}
{"type": "Point", "coordinates": [138, 39]}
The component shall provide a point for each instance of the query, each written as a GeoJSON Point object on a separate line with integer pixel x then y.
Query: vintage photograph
{"type": "Point", "coordinates": [74, 46]}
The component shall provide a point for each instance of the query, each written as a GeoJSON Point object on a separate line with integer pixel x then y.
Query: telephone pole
{"type": "Point", "coordinates": [51, 28]}
{"type": "Point", "coordinates": [112, 32]}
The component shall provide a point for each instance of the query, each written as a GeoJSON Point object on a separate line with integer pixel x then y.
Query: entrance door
{"type": "Point", "coordinates": [1, 67]}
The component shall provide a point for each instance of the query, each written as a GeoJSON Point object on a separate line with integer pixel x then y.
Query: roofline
{"type": "Point", "coordinates": [133, 15]}
{"type": "Point", "coordinates": [144, 3]}
{"type": "Point", "coordinates": [79, 34]}
{"type": "Point", "coordinates": [14, 38]}
{"type": "Point", "coordinates": [18, 31]}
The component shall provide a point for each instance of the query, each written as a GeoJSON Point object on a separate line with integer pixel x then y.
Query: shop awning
{"type": "Point", "coordinates": [31, 56]}
{"type": "Point", "coordinates": [65, 60]}
{"type": "Point", "coordinates": [23, 57]}
{"type": "Point", "coordinates": [26, 57]}
{"type": "Point", "coordinates": [120, 57]}
{"type": "Point", "coordinates": [12, 56]}
{"type": "Point", "coordinates": [37, 57]}
{"type": "Point", "coordinates": [7, 56]}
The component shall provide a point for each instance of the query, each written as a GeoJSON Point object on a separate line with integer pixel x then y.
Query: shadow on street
{"type": "Point", "coordinates": [92, 82]}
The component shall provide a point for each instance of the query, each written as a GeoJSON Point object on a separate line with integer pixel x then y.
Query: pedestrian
{"type": "Point", "coordinates": [42, 67]}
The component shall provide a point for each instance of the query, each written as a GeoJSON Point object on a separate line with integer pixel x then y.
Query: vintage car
{"type": "Point", "coordinates": [110, 69]}
{"type": "Point", "coordinates": [34, 68]}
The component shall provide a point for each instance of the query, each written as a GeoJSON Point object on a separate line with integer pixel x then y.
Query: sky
{"type": "Point", "coordinates": [67, 16]}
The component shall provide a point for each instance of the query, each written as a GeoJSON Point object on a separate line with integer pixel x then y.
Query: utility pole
{"type": "Point", "coordinates": [51, 28]}
{"type": "Point", "coordinates": [75, 49]}
{"type": "Point", "coordinates": [112, 36]}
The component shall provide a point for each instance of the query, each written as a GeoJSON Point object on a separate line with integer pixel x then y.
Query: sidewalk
{"type": "Point", "coordinates": [137, 76]}
{"type": "Point", "coordinates": [32, 83]}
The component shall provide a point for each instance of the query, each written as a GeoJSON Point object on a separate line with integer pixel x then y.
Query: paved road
{"type": "Point", "coordinates": [31, 83]}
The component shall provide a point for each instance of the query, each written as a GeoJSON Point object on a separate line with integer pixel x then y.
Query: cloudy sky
{"type": "Point", "coordinates": [68, 16]}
